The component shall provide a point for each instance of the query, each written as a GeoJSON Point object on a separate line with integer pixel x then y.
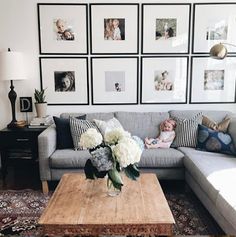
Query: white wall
{"type": "Point", "coordinates": [19, 31]}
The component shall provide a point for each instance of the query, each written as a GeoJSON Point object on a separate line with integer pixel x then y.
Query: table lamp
{"type": "Point", "coordinates": [12, 68]}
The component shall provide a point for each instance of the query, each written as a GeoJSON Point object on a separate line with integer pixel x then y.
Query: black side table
{"type": "Point", "coordinates": [18, 144]}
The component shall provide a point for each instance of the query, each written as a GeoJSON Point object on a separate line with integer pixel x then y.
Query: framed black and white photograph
{"type": "Point", "coordinates": [114, 28]}
{"type": "Point", "coordinates": [214, 23]}
{"type": "Point", "coordinates": [165, 28]}
{"type": "Point", "coordinates": [114, 80]}
{"type": "Point", "coordinates": [212, 81]}
{"type": "Point", "coordinates": [63, 28]}
{"type": "Point", "coordinates": [65, 80]}
{"type": "Point", "coordinates": [164, 80]}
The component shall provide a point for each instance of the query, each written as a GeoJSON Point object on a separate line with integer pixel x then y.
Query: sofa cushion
{"type": "Point", "coordinates": [217, 116]}
{"type": "Point", "coordinates": [69, 158]}
{"type": "Point", "coordinates": [221, 126]}
{"type": "Point", "coordinates": [64, 138]}
{"type": "Point", "coordinates": [105, 126]}
{"type": "Point", "coordinates": [209, 169]}
{"type": "Point", "coordinates": [232, 129]}
{"type": "Point", "coordinates": [186, 131]}
{"type": "Point", "coordinates": [157, 158]}
{"type": "Point", "coordinates": [226, 202]}
{"type": "Point", "coordinates": [77, 128]}
{"type": "Point", "coordinates": [89, 116]}
{"type": "Point", "coordinates": [142, 124]}
{"type": "Point", "coordinates": [214, 141]}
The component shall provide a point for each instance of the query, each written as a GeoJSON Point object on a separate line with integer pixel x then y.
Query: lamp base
{"type": "Point", "coordinates": [12, 124]}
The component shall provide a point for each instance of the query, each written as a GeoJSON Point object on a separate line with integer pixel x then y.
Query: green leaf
{"type": "Point", "coordinates": [91, 172]}
{"type": "Point", "coordinates": [132, 172]}
{"type": "Point", "coordinates": [115, 177]}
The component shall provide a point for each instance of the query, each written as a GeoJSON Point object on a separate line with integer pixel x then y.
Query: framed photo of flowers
{"type": "Point", "coordinates": [62, 28]}
{"type": "Point", "coordinates": [114, 28]}
{"type": "Point", "coordinates": [116, 78]}
{"type": "Point", "coordinates": [164, 80]}
{"type": "Point", "coordinates": [213, 23]}
{"type": "Point", "coordinates": [165, 28]}
{"type": "Point", "coordinates": [212, 81]}
{"type": "Point", "coordinates": [65, 80]}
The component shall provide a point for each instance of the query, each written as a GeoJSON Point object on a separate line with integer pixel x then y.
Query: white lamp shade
{"type": "Point", "coordinates": [12, 66]}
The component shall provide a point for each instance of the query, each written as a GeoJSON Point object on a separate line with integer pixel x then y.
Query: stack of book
{"type": "Point", "coordinates": [41, 122]}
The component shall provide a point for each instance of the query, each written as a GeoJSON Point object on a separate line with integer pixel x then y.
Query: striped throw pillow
{"type": "Point", "coordinates": [77, 128]}
{"type": "Point", "coordinates": [186, 131]}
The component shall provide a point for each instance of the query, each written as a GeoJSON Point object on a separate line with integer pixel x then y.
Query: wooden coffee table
{"type": "Point", "coordinates": [82, 207]}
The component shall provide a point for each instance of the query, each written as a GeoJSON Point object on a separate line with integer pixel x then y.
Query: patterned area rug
{"type": "Point", "coordinates": [20, 210]}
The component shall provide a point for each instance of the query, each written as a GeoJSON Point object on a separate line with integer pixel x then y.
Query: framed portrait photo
{"type": "Point", "coordinates": [114, 28]}
{"type": "Point", "coordinates": [165, 28]}
{"type": "Point", "coordinates": [212, 81]}
{"type": "Point", "coordinates": [114, 80]}
{"type": "Point", "coordinates": [213, 23]}
{"type": "Point", "coordinates": [62, 28]}
{"type": "Point", "coordinates": [65, 80]}
{"type": "Point", "coordinates": [164, 80]}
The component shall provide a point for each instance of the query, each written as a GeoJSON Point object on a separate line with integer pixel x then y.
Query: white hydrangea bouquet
{"type": "Point", "coordinates": [117, 152]}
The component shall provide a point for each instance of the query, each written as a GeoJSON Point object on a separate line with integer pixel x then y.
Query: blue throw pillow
{"type": "Point", "coordinates": [64, 138]}
{"type": "Point", "coordinates": [214, 141]}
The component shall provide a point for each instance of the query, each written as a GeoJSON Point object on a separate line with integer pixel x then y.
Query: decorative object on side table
{"type": "Point", "coordinates": [12, 68]}
{"type": "Point", "coordinates": [117, 152]}
{"type": "Point", "coordinates": [40, 104]}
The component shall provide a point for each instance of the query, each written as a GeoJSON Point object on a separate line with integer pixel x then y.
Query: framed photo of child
{"type": "Point", "coordinates": [166, 28]}
{"type": "Point", "coordinates": [66, 80]}
{"type": "Point", "coordinates": [116, 78]}
{"type": "Point", "coordinates": [213, 81]}
{"type": "Point", "coordinates": [114, 28]}
{"type": "Point", "coordinates": [62, 28]}
{"type": "Point", "coordinates": [164, 80]}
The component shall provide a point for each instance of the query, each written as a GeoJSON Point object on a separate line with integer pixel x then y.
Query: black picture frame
{"type": "Point", "coordinates": [189, 5]}
{"type": "Point", "coordinates": [216, 63]}
{"type": "Point", "coordinates": [185, 88]}
{"type": "Point", "coordinates": [231, 50]}
{"type": "Point", "coordinates": [132, 87]}
{"type": "Point", "coordinates": [61, 52]}
{"type": "Point", "coordinates": [84, 88]}
{"type": "Point", "coordinates": [116, 52]}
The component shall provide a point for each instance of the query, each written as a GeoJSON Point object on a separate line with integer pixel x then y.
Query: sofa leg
{"type": "Point", "coordinates": [45, 187]}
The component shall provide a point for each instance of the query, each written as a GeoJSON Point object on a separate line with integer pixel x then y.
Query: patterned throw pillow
{"type": "Point", "coordinates": [186, 131]}
{"type": "Point", "coordinates": [64, 138]}
{"type": "Point", "coordinates": [105, 126]}
{"type": "Point", "coordinates": [77, 128]}
{"type": "Point", "coordinates": [221, 127]}
{"type": "Point", "coordinates": [214, 141]}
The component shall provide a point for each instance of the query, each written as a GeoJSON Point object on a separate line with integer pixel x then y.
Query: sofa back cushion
{"type": "Point", "coordinates": [142, 124]}
{"type": "Point", "coordinates": [217, 116]}
{"type": "Point", "coordinates": [90, 116]}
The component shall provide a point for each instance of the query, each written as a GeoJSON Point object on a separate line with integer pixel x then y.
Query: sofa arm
{"type": "Point", "coordinates": [47, 142]}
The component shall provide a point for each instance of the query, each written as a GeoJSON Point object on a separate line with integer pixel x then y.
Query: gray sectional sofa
{"type": "Point", "coordinates": [212, 176]}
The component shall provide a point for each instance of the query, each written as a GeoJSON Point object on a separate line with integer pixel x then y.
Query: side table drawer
{"type": "Point", "coordinates": [16, 141]}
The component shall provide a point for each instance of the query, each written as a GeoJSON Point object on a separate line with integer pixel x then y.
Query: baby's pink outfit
{"type": "Point", "coordinates": [159, 142]}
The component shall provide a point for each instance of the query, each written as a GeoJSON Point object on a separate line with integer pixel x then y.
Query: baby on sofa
{"type": "Point", "coordinates": [166, 136]}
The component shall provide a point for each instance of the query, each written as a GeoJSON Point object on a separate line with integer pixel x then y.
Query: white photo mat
{"type": "Point", "coordinates": [214, 23]}
{"type": "Point", "coordinates": [129, 13]}
{"type": "Point", "coordinates": [219, 89]}
{"type": "Point", "coordinates": [179, 43]}
{"type": "Point", "coordinates": [79, 68]}
{"type": "Point", "coordinates": [177, 70]}
{"type": "Point", "coordinates": [74, 17]}
{"type": "Point", "coordinates": [118, 70]}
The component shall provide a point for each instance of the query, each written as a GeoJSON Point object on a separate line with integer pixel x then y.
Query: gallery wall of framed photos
{"type": "Point", "coordinates": [136, 53]}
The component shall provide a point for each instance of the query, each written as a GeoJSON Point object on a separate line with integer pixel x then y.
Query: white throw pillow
{"type": "Point", "coordinates": [106, 126]}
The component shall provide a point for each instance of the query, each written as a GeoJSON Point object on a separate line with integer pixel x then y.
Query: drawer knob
{"type": "Point", "coordinates": [22, 139]}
